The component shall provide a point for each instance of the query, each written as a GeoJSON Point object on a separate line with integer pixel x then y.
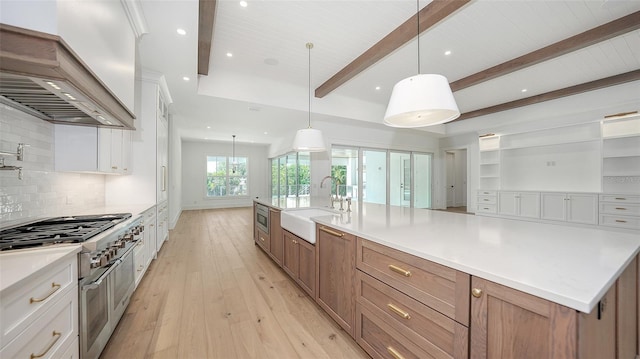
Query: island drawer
{"type": "Point", "coordinates": [441, 288]}
{"type": "Point", "coordinates": [436, 333]}
{"type": "Point", "coordinates": [21, 305]}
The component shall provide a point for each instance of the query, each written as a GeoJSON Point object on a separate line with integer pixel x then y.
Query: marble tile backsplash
{"type": "Point", "coordinates": [42, 192]}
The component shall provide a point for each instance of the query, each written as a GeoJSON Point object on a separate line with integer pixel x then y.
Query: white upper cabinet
{"type": "Point", "coordinates": [91, 149]}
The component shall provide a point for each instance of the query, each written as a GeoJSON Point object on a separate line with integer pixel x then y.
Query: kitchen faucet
{"type": "Point", "coordinates": [337, 197]}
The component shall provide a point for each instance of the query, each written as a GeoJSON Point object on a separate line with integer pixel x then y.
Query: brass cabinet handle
{"type": "Point", "coordinates": [294, 241]}
{"type": "Point", "coordinates": [621, 208]}
{"type": "Point", "coordinates": [394, 353]}
{"type": "Point", "coordinates": [476, 292]}
{"type": "Point", "coordinates": [620, 221]}
{"type": "Point", "coordinates": [262, 238]}
{"type": "Point", "coordinates": [333, 233]}
{"type": "Point", "coordinates": [620, 199]}
{"type": "Point", "coordinates": [55, 287]}
{"type": "Point", "coordinates": [57, 336]}
{"type": "Point", "coordinates": [399, 311]}
{"type": "Point", "coordinates": [273, 210]}
{"type": "Point", "coordinates": [399, 270]}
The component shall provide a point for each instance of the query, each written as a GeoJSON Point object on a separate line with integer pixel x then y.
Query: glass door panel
{"type": "Point", "coordinates": [344, 167]}
{"type": "Point", "coordinates": [422, 180]}
{"type": "Point", "coordinates": [400, 179]}
{"type": "Point", "coordinates": [374, 176]}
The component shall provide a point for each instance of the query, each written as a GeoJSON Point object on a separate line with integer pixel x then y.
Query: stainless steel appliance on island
{"type": "Point", "coordinates": [105, 266]}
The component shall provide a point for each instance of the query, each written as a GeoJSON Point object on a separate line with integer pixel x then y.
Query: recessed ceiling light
{"type": "Point", "coordinates": [377, 87]}
{"type": "Point", "coordinates": [181, 31]}
{"type": "Point", "coordinates": [266, 133]}
{"type": "Point", "coordinates": [523, 90]}
{"type": "Point", "coordinates": [447, 53]}
{"type": "Point", "coordinates": [186, 78]}
{"type": "Point", "coordinates": [208, 126]}
{"type": "Point", "coordinates": [243, 3]}
{"type": "Point", "coordinates": [229, 54]}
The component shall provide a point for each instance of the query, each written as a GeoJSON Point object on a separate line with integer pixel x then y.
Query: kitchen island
{"type": "Point", "coordinates": [573, 276]}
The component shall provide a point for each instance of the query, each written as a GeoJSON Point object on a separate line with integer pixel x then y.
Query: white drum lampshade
{"type": "Point", "coordinates": [309, 140]}
{"type": "Point", "coordinates": [421, 100]}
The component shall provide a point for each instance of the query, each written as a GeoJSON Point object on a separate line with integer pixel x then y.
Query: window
{"type": "Point", "coordinates": [226, 177]}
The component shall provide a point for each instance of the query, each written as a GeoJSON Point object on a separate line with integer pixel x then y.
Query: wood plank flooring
{"type": "Point", "coordinates": [212, 293]}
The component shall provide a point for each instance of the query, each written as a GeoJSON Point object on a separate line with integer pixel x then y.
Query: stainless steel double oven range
{"type": "Point", "coordinates": [105, 266]}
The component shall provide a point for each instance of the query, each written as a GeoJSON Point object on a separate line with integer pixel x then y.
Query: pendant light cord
{"type": "Point", "coordinates": [309, 46]}
{"type": "Point", "coordinates": [418, 35]}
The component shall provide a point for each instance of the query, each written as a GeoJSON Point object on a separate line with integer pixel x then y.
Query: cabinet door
{"type": "Point", "coordinates": [507, 203]}
{"type": "Point", "coordinates": [116, 150]}
{"type": "Point", "coordinates": [529, 205]}
{"type": "Point", "coordinates": [104, 150]}
{"type": "Point", "coordinates": [335, 257]}
{"type": "Point", "coordinates": [554, 206]}
{"type": "Point", "coordinates": [506, 323]}
{"type": "Point", "coordinates": [276, 236]}
{"type": "Point", "coordinates": [307, 267]}
{"type": "Point", "coordinates": [582, 208]}
{"type": "Point", "coordinates": [290, 256]}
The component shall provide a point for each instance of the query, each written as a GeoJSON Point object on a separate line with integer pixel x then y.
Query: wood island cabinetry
{"type": "Point", "coordinates": [335, 275]}
{"type": "Point", "coordinates": [408, 306]}
{"type": "Point", "coordinates": [275, 236]}
{"type": "Point", "coordinates": [507, 323]}
{"type": "Point", "coordinates": [299, 261]}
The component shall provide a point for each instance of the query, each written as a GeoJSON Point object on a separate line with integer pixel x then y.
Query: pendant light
{"type": "Point", "coordinates": [233, 155]}
{"type": "Point", "coordinates": [309, 139]}
{"type": "Point", "coordinates": [421, 100]}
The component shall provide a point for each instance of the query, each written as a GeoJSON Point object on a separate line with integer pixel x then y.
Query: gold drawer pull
{"type": "Point", "coordinates": [262, 238]}
{"type": "Point", "coordinates": [57, 336]}
{"type": "Point", "coordinates": [55, 287]}
{"type": "Point", "coordinates": [620, 221]}
{"type": "Point", "coordinates": [333, 233]}
{"type": "Point", "coordinates": [399, 311]}
{"type": "Point", "coordinates": [399, 270]}
{"type": "Point", "coordinates": [394, 353]}
{"type": "Point", "coordinates": [621, 208]}
{"type": "Point", "coordinates": [620, 199]}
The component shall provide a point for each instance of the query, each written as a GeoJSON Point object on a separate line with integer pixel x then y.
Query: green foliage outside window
{"type": "Point", "coordinates": [339, 173]}
{"type": "Point", "coordinates": [226, 176]}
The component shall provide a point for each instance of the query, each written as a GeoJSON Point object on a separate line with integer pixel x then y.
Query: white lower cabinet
{"type": "Point", "coordinates": [570, 207]}
{"type": "Point", "coordinates": [520, 204]}
{"type": "Point", "coordinates": [620, 211]}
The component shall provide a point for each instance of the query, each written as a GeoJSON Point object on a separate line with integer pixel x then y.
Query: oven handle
{"type": "Point", "coordinates": [95, 284]}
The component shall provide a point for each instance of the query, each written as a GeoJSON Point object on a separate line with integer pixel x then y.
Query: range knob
{"type": "Point", "coordinates": [95, 262]}
{"type": "Point", "coordinates": [120, 243]}
{"type": "Point", "coordinates": [128, 237]}
{"type": "Point", "coordinates": [103, 260]}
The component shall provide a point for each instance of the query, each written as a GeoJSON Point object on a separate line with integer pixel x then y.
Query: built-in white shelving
{"type": "Point", "coordinates": [621, 155]}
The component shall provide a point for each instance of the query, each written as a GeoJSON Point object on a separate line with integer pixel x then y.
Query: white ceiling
{"type": "Point", "coordinates": [263, 87]}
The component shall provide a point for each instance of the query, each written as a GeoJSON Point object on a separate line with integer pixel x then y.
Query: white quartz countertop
{"type": "Point", "coordinates": [571, 266]}
{"type": "Point", "coordinates": [19, 264]}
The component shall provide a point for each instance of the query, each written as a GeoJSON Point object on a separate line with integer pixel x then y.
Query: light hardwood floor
{"type": "Point", "coordinates": [212, 293]}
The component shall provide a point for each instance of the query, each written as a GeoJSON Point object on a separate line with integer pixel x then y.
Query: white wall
{"type": "Point", "coordinates": [41, 192]}
{"type": "Point", "coordinates": [194, 159]}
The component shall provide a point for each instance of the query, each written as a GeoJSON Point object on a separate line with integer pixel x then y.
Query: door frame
{"type": "Point", "coordinates": [443, 154]}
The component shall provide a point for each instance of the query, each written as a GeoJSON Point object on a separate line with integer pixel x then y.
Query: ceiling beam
{"type": "Point", "coordinates": [598, 34]}
{"type": "Point", "coordinates": [556, 94]}
{"type": "Point", "coordinates": [206, 15]}
{"type": "Point", "coordinates": [429, 16]}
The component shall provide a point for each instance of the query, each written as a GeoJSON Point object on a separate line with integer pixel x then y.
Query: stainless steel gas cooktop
{"type": "Point", "coordinates": [50, 231]}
